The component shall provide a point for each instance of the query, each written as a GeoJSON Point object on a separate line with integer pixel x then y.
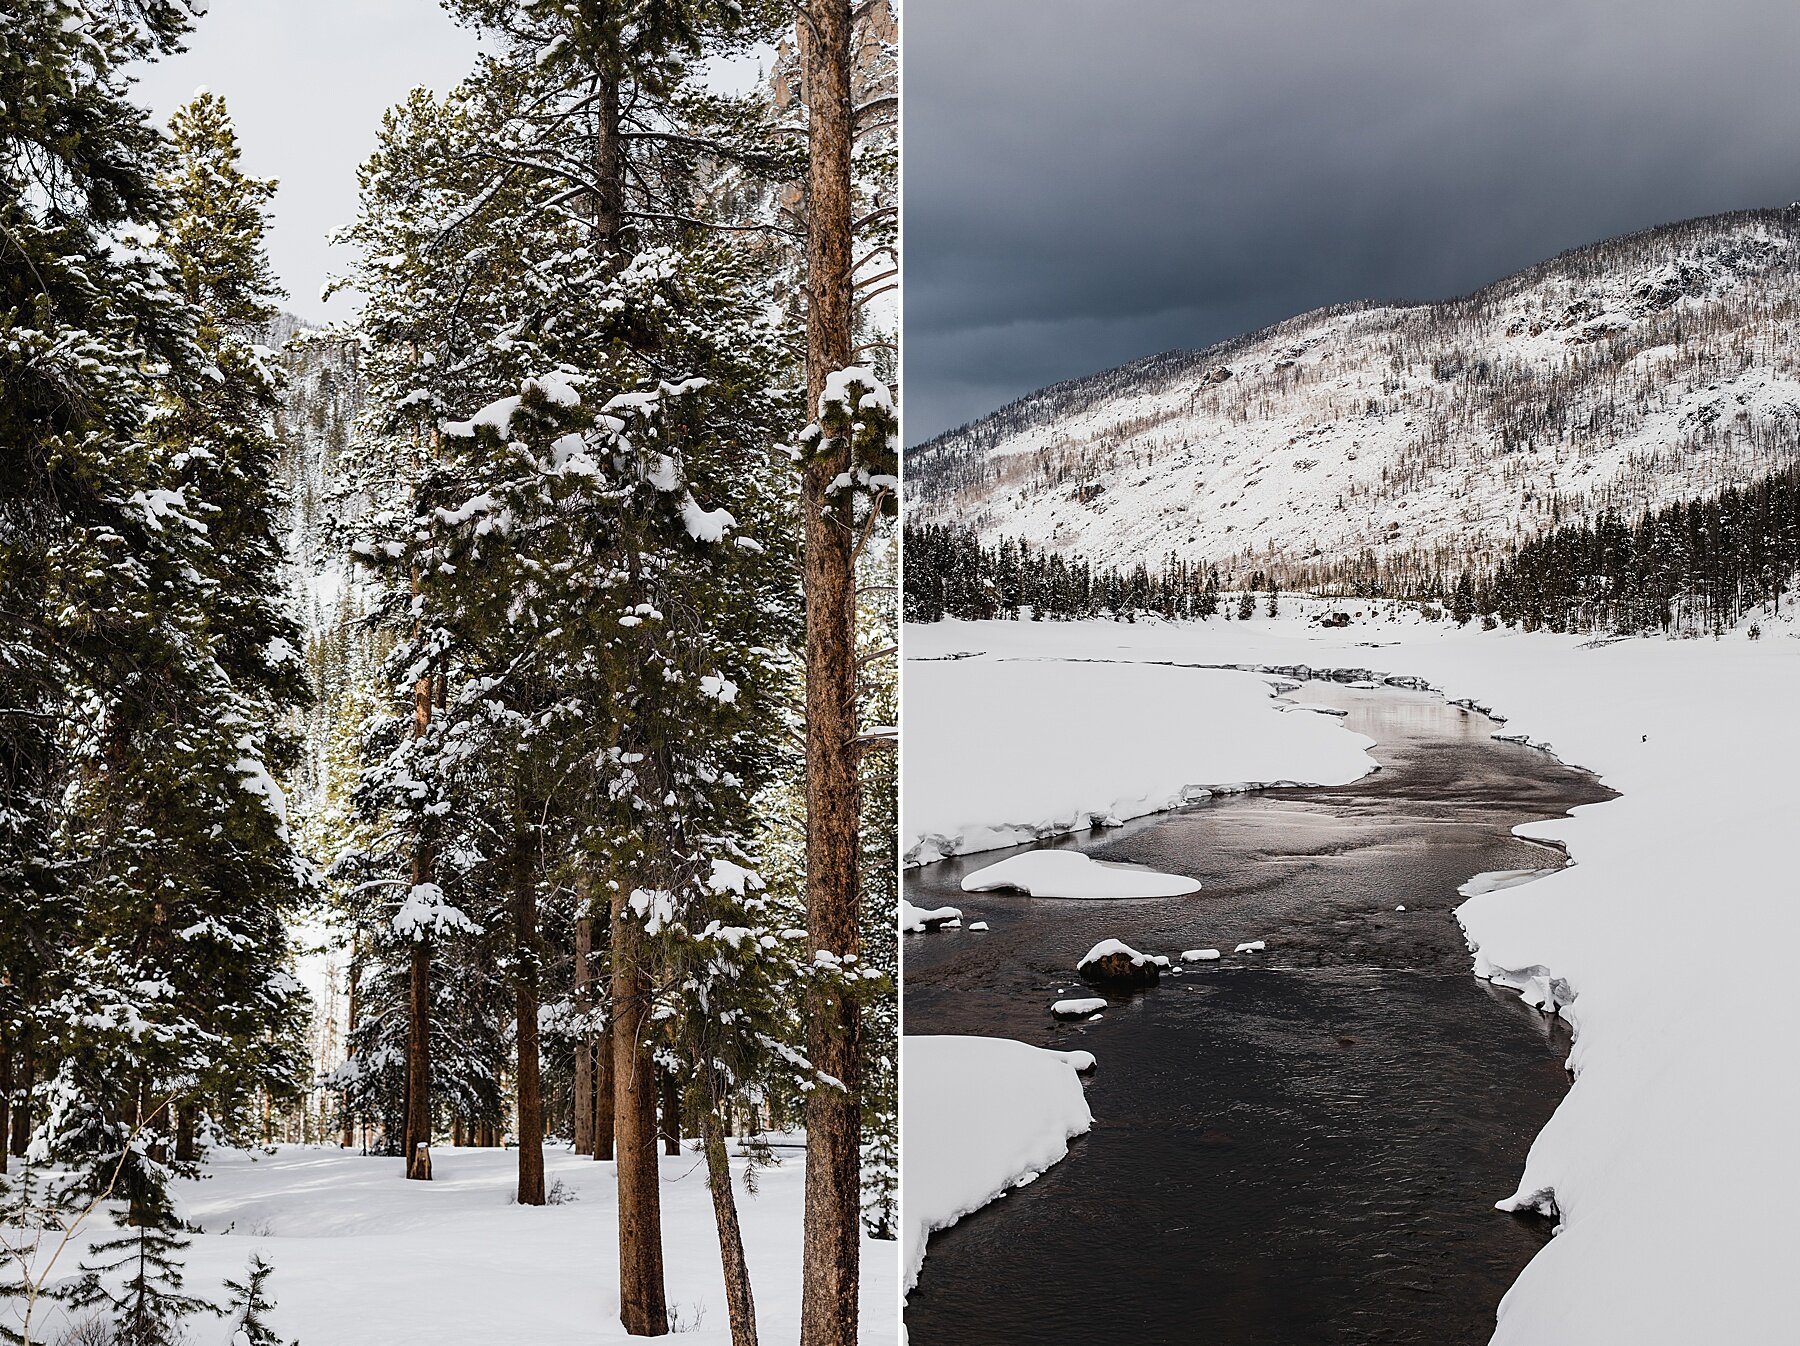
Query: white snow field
{"type": "Point", "coordinates": [1005, 750]}
{"type": "Point", "coordinates": [1072, 874]}
{"type": "Point", "coordinates": [1668, 944]}
{"type": "Point", "coordinates": [364, 1258]}
{"type": "Point", "coordinates": [979, 1116]}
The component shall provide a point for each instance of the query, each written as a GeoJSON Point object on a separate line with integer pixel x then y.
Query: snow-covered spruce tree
{"type": "Point", "coordinates": [91, 327]}
{"type": "Point", "coordinates": [150, 978]}
{"type": "Point", "coordinates": [248, 1308]}
{"type": "Point", "coordinates": [218, 430]}
{"type": "Point", "coordinates": [567, 239]}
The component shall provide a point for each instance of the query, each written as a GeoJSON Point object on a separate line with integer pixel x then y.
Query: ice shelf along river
{"type": "Point", "coordinates": [1293, 1147]}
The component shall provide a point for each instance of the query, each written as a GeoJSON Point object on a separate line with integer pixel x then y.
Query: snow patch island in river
{"type": "Point", "coordinates": [980, 1116]}
{"type": "Point", "coordinates": [1004, 750]}
{"type": "Point", "coordinates": [1073, 874]}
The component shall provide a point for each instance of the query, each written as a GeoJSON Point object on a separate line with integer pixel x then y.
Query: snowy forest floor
{"type": "Point", "coordinates": [1667, 944]}
{"type": "Point", "coordinates": [362, 1256]}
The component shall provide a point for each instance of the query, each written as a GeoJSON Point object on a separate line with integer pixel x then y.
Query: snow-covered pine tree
{"type": "Point", "coordinates": [91, 327]}
{"type": "Point", "coordinates": [148, 977]}
{"type": "Point", "coordinates": [249, 1305]}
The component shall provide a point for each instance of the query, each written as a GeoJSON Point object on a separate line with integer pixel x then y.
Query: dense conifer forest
{"type": "Point", "coordinates": [1701, 565]}
{"type": "Point", "coordinates": [469, 724]}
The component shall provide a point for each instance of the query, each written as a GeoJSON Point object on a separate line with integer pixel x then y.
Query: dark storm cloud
{"type": "Point", "coordinates": [1087, 182]}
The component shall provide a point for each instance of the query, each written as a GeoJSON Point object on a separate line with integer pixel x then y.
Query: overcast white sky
{"type": "Point", "coordinates": [307, 82]}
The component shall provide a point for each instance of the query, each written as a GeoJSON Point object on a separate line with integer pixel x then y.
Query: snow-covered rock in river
{"type": "Point", "coordinates": [1113, 962]}
{"type": "Point", "coordinates": [915, 919]}
{"type": "Point", "coordinates": [1200, 955]}
{"type": "Point", "coordinates": [1075, 1009]}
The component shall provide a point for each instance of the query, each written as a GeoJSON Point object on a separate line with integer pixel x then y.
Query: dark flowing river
{"type": "Point", "coordinates": [1300, 1146]}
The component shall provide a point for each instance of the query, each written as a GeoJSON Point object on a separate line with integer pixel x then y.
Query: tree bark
{"type": "Point", "coordinates": [416, 1143]}
{"type": "Point", "coordinates": [828, 1309]}
{"type": "Point", "coordinates": [608, 169]}
{"type": "Point", "coordinates": [584, 1046]}
{"type": "Point", "coordinates": [24, 1076]}
{"type": "Point", "coordinates": [417, 1138]}
{"type": "Point", "coordinates": [740, 1304]}
{"type": "Point", "coordinates": [525, 1006]}
{"type": "Point", "coordinates": [6, 1084]}
{"type": "Point", "coordinates": [187, 1124]}
{"type": "Point", "coordinates": [348, 1139]}
{"type": "Point", "coordinates": [643, 1303]}
{"type": "Point", "coordinates": [671, 1112]}
{"type": "Point", "coordinates": [604, 1094]}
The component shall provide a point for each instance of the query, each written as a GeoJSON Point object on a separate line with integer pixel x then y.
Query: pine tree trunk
{"type": "Point", "coordinates": [671, 1112]}
{"type": "Point", "coordinates": [608, 169]}
{"type": "Point", "coordinates": [643, 1305]}
{"type": "Point", "coordinates": [605, 1093]}
{"type": "Point", "coordinates": [828, 1310]}
{"type": "Point", "coordinates": [187, 1124]}
{"type": "Point", "coordinates": [348, 1139]}
{"type": "Point", "coordinates": [584, 1046]}
{"type": "Point", "coordinates": [525, 1004]}
{"type": "Point", "coordinates": [24, 1077]}
{"type": "Point", "coordinates": [740, 1304]}
{"type": "Point", "coordinates": [417, 1140]}
{"type": "Point", "coordinates": [6, 1084]}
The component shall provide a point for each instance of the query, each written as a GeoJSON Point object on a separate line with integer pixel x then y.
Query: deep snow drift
{"type": "Point", "coordinates": [979, 1116]}
{"type": "Point", "coordinates": [1668, 944]}
{"type": "Point", "coordinates": [1002, 749]}
{"type": "Point", "coordinates": [363, 1256]}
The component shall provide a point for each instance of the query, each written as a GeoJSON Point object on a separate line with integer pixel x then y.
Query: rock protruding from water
{"type": "Point", "coordinates": [1113, 962]}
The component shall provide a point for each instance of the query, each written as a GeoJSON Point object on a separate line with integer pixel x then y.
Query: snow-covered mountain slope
{"type": "Point", "coordinates": [1659, 366]}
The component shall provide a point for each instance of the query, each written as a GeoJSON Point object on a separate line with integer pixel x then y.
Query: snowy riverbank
{"type": "Point", "coordinates": [1667, 943]}
{"type": "Point", "coordinates": [363, 1256]}
{"type": "Point", "coordinates": [982, 1115]}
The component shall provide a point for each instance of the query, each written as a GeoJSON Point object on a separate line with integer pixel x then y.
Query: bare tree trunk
{"type": "Point", "coordinates": [828, 1308]}
{"type": "Point", "coordinates": [348, 1139]}
{"type": "Point", "coordinates": [740, 1304]}
{"type": "Point", "coordinates": [643, 1304]}
{"type": "Point", "coordinates": [6, 1084]}
{"type": "Point", "coordinates": [525, 1005]}
{"type": "Point", "coordinates": [605, 1092]}
{"type": "Point", "coordinates": [24, 1077]}
{"type": "Point", "coordinates": [608, 169]}
{"type": "Point", "coordinates": [187, 1124]}
{"type": "Point", "coordinates": [584, 1046]}
{"type": "Point", "coordinates": [417, 1138]}
{"type": "Point", "coordinates": [671, 1112]}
